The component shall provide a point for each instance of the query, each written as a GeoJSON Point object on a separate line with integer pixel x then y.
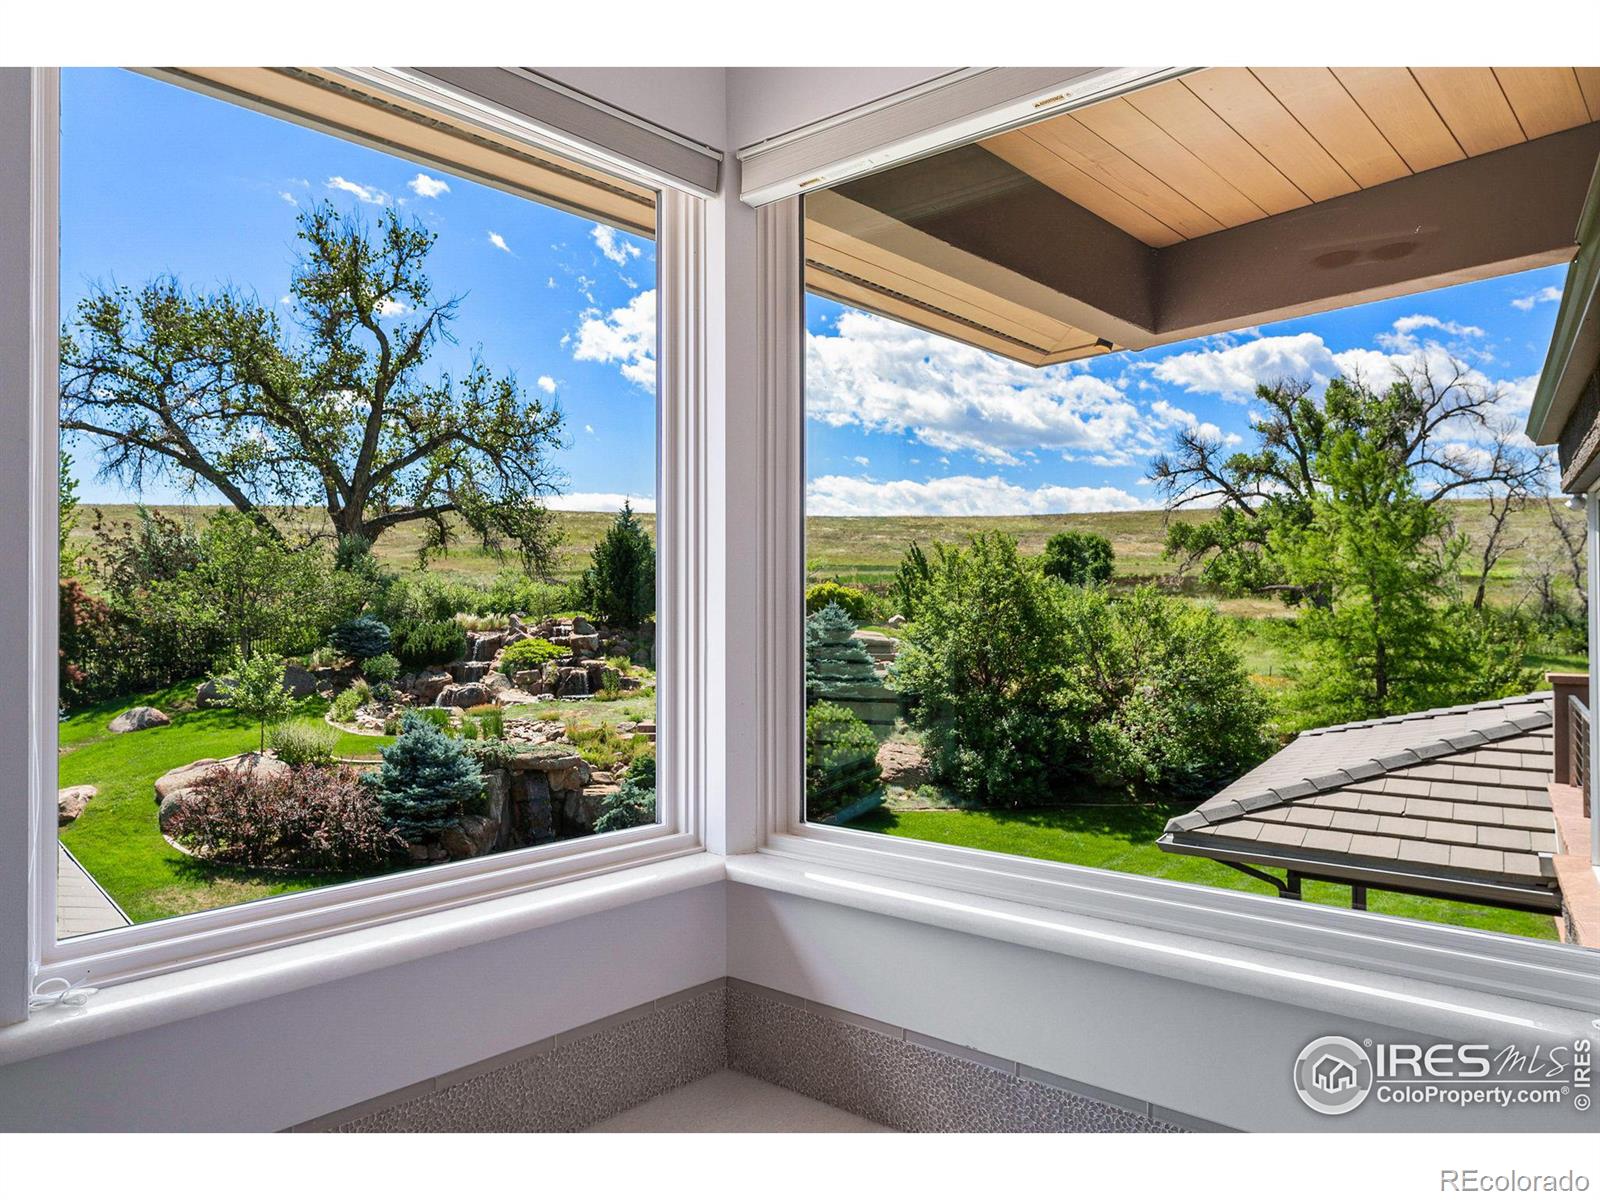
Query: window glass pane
{"type": "Point", "coordinates": [1068, 601]}
{"type": "Point", "coordinates": [358, 468]}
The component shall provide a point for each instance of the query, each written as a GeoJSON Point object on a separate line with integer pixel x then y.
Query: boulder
{"type": "Point", "coordinates": [496, 683]}
{"type": "Point", "coordinates": [213, 692]}
{"type": "Point", "coordinates": [142, 717]}
{"type": "Point", "coordinates": [187, 776]}
{"type": "Point", "coordinates": [580, 626]}
{"type": "Point", "coordinates": [464, 695]}
{"type": "Point", "coordinates": [895, 622]}
{"type": "Point", "coordinates": [425, 686]}
{"type": "Point", "coordinates": [572, 681]}
{"type": "Point", "coordinates": [169, 808]}
{"type": "Point", "coordinates": [483, 646]}
{"type": "Point", "coordinates": [70, 802]}
{"type": "Point", "coordinates": [298, 681]}
{"type": "Point", "coordinates": [469, 837]}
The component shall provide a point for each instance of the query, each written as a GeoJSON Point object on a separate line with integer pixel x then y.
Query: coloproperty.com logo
{"type": "Point", "coordinates": [1335, 1075]}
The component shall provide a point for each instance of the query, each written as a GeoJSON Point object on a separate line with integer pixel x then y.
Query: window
{"type": "Point", "coordinates": [1292, 608]}
{"type": "Point", "coordinates": [358, 476]}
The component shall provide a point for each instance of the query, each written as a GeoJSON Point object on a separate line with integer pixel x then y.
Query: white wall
{"type": "Point", "coordinates": [1220, 1055]}
{"type": "Point", "coordinates": [284, 1060]}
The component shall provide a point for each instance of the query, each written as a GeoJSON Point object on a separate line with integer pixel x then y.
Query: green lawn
{"type": "Point", "coordinates": [1122, 838]}
{"type": "Point", "coordinates": [117, 839]}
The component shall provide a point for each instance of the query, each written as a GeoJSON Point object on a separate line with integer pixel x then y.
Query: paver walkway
{"type": "Point", "coordinates": [81, 907]}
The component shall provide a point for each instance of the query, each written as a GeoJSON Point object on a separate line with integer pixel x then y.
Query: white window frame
{"type": "Point", "coordinates": [140, 950]}
{"type": "Point", "coordinates": [1524, 968]}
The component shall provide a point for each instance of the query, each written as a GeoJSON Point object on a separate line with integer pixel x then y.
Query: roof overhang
{"type": "Point", "coordinates": [1222, 199]}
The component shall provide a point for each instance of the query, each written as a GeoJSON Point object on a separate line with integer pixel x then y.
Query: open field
{"type": "Point", "coordinates": [866, 550]}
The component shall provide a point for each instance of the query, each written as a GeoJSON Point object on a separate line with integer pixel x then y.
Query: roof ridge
{"type": "Point", "coordinates": [1423, 714]}
{"type": "Point", "coordinates": [1213, 811]}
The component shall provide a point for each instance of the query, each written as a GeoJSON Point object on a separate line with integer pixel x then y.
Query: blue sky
{"type": "Point", "coordinates": [156, 179]}
{"type": "Point", "coordinates": [907, 422]}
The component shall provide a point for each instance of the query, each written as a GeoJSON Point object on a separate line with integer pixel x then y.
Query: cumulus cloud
{"type": "Point", "coordinates": [427, 186]}
{"type": "Point", "coordinates": [1234, 371]}
{"type": "Point", "coordinates": [614, 244]}
{"type": "Point", "coordinates": [361, 191]}
{"type": "Point", "coordinates": [1403, 337]}
{"type": "Point", "coordinates": [390, 307]}
{"type": "Point", "coordinates": [606, 502]}
{"type": "Point", "coordinates": [956, 496]}
{"type": "Point", "coordinates": [625, 336]}
{"type": "Point", "coordinates": [498, 242]}
{"type": "Point", "coordinates": [547, 385]}
{"type": "Point", "coordinates": [1545, 295]}
{"type": "Point", "coordinates": [890, 378]}
{"type": "Point", "coordinates": [288, 198]}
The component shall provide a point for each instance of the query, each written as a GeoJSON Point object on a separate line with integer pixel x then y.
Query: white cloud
{"type": "Point", "coordinates": [427, 186]}
{"type": "Point", "coordinates": [610, 243]}
{"type": "Point", "coordinates": [288, 198]}
{"type": "Point", "coordinates": [498, 242]}
{"type": "Point", "coordinates": [1545, 295]}
{"type": "Point", "coordinates": [958, 496]}
{"type": "Point", "coordinates": [599, 502]}
{"type": "Point", "coordinates": [626, 336]}
{"type": "Point", "coordinates": [889, 378]}
{"type": "Point", "coordinates": [861, 460]}
{"type": "Point", "coordinates": [1234, 371]}
{"type": "Point", "coordinates": [390, 307]}
{"type": "Point", "coordinates": [1403, 340]}
{"type": "Point", "coordinates": [547, 385]}
{"type": "Point", "coordinates": [550, 282]}
{"type": "Point", "coordinates": [363, 193]}
{"type": "Point", "coordinates": [588, 428]}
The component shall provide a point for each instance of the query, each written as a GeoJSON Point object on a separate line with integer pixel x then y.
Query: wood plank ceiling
{"type": "Point", "coordinates": [1209, 152]}
{"type": "Point", "coordinates": [1226, 146]}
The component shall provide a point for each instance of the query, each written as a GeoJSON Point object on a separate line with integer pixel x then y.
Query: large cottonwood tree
{"type": "Point", "coordinates": [330, 404]}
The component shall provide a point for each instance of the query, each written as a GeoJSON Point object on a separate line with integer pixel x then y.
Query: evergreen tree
{"type": "Point", "coordinates": [426, 780]}
{"type": "Point", "coordinates": [619, 586]}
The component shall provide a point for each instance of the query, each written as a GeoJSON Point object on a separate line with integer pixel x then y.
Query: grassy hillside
{"type": "Point", "coordinates": [865, 550]}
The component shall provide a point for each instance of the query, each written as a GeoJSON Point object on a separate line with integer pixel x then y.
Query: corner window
{"type": "Point", "coordinates": [1286, 606]}
{"type": "Point", "coordinates": [358, 468]}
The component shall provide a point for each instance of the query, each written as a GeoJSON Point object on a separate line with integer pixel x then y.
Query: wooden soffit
{"type": "Point", "coordinates": [1223, 198]}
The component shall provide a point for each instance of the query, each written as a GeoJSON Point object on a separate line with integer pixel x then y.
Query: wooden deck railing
{"type": "Point", "coordinates": [1578, 746]}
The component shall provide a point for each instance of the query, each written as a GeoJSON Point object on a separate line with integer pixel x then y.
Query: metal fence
{"type": "Point", "coordinates": [1578, 746]}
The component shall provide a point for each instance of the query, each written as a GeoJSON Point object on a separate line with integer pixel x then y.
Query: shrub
{"type": "Point", "coordinates": [469, 729]}
{"type": "Point", "coordinates": [854, 601]}
{"type": "Point", "coordinates": [529, 655]}
{"type": "Point", "coordinates": [91, 647]}
{"type": "Point", "coordinates": [604, 747]}
{"type": "Point", "coordinates": [620, 583]}
{"type": "Point", "coordinates": [383, 692]}
{"type": "Point", "coordinates": [430, 643]}
{"type": "Point", "coordinates": [841, 757]}
{"type": "Point", "coordinates": [439, 718]}
{"type": "Point", "coordinates": [312, 818]}
{"type": "Point", "coordinates": [324, 656]}
{"type": "Point", "coordinates": [513, 592]}
{"type": "Point", "coordinates": [361, 637]}
{"type": "Point", "coordinates": [381, 668]}
{"type": "Point", "coordinates": [491, 720]}
{"type": "Point", "coordinates": [427, 778]}
{"type": "Point", "coordinates": [634, 803]}
{"type": "Point", "coordinates": [346, 703]}
{"type": "Point", "coordinates": [1078, 559]}
{"type": "Point", "coordinates": [302, 743]}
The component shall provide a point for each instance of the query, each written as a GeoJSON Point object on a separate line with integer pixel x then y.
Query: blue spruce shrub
{"type": "Point", "coordinates": [361, 637]}
{"type": "Point", "coordinates": [427, 779]}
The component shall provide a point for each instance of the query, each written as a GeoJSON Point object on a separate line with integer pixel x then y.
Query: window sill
{"type": "Point", "coordinates": [1395, 998]}
{"type": "Point", "coordinates": [177, 995]}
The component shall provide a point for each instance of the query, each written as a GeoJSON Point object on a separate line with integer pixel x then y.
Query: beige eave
{"type": "Point", "coordinates": [1223, 198]}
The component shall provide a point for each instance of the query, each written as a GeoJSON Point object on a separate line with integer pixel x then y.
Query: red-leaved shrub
{"type": "Point", "coordinates": [309, 818]}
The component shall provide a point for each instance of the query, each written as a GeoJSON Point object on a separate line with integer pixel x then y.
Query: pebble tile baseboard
{"type": "Point", "coordinates": [894, 1076]}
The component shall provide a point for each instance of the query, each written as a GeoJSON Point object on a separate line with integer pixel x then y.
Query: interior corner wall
{"type": "Point", "coordinates": [278, 1062]}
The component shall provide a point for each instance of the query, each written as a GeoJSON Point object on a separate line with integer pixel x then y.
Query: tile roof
{"type": "Point", "coordinates": [1453, 800]}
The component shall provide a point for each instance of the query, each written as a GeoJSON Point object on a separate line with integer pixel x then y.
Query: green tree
{"type": "Point", "coordinates": [213, 389]}
{"type": "Point", "coordinates": [67, 514]}
{"type": "Point", "coordinates": [986, 661]}
{"type": "Point", "coordinates": [619, 585]}
{"type": "Point", "coordinates": [427, 779]}
{"type": "Point", "coordinates": [1391, 636]}
{"type": "Point", "coordinates": [1078, 559]}
{"type": "Point", "coordinates": [260, 592]}
{"type": "Point", "coordinates": [253, 685]}
{"type": "Point", "coordinates": [1269, 490]}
